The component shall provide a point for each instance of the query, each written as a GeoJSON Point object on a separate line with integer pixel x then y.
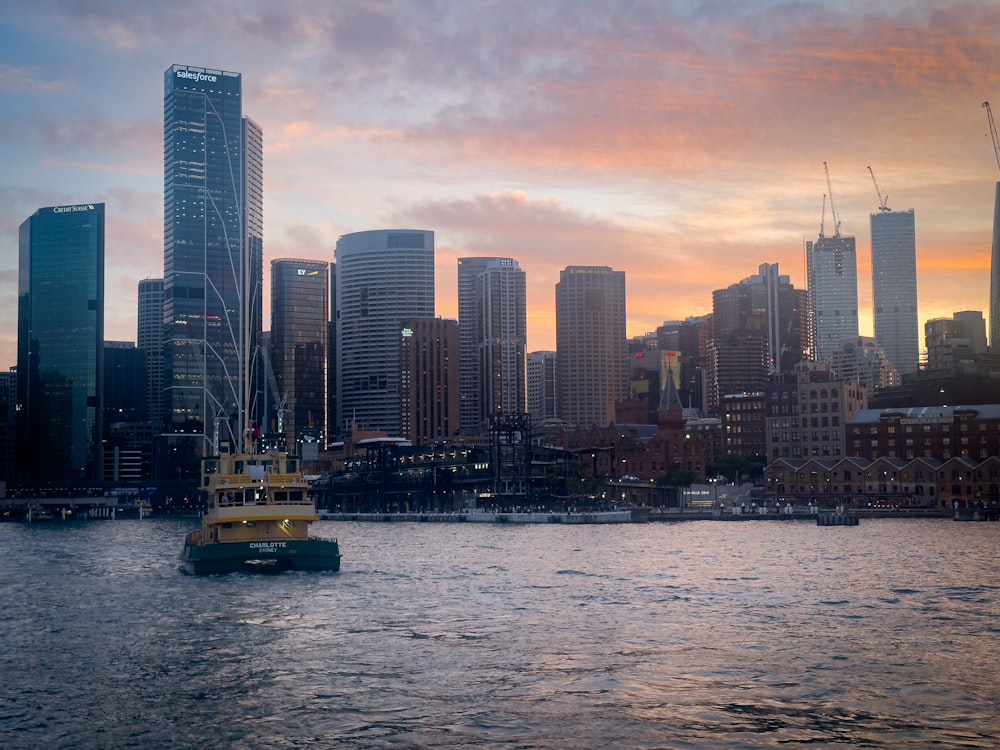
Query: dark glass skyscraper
{"type": "Point", "coordinates": [299, 318]}
{"type": "Point", "coordinates": [60, 343]}
{"type": "Point", "coordinates": [150, 342]}
{"type": "Point", "coordinates": [212, 260]}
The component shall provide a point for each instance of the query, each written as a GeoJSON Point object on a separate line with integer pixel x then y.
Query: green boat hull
{"type": "Point", "coordinates": [261, 557]}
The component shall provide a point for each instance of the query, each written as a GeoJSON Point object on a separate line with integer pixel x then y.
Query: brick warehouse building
{"type": "Point", "coordinates": [941, 432]}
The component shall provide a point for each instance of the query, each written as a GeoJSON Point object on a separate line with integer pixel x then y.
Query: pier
{"type": "Point", "coordinates": [88, 508]}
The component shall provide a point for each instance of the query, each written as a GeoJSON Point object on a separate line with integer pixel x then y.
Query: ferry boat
{"type": "Point", "coordinates": [259, 511]}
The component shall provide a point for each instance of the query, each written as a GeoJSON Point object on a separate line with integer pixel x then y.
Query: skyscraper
{"type": "Point", "coordinates": [212, 259]}
{"type": "Point", "coordinates": [542, 386]}
{"type": "Point", "coordinates": [894, 288]}
{"type": "Point", "coordinates": [429, 372]}
{"type": "Point", "coordinates": [383, 277]}
{"type": "Point", "coordinates": [469, 270]}
{"type": "Point", "coordinates": [60, 343]}
{"type": "Point", "coordinates": [758, 329]}
{"type": "Point", "coordinates": [590, 344]}
{"type": "Point", "coordinates": [994, 341]}
{"type": "Point", "coordinates": [832, 278]}
{"type": "Point", "coordinates": [493, 331]}
{"type": "Point", "coordinates": [299, 316]}
{"type": "Point", "coordinates": [149, 341]}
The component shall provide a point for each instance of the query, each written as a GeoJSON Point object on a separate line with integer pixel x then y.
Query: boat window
{"type": "Point", "coordinates": [281, 497]}
{"type": "Point", "coordinates": [290, 466]}
{"type": "Point", "coordinates": [296, 496]}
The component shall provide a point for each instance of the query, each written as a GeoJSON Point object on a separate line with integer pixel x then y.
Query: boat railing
{"type": "Point", "coordinates": [269, 478]}
{"type": "Point", "coordinates": [225, 500]}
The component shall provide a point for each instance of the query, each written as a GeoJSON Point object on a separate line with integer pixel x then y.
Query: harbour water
{"type": "Point", "coordinates": [696, 635]}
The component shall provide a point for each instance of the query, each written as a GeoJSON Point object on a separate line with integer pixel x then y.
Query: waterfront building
{"type": "Point", "coordinates": [383, 277]}
{"type": "Point", "coordinates": [885, 482]}
{"type": "Point", "coordinates": [298, 349]}
{"type": "Point", "coordinates": [149, 340]}
{"type": "Point", "coordinates": [429, 371]}
{"type": "Point", "coordinates": [492, 319]}
{"type": "Point", "coordinates": [590, 344]}
{"type": "Point", "coordinates": [939, 432]}
{"type": "Point", "coordinates": [832, 281]}
{"type": "Point", "coordinates": [894, 287]}
{"type": "Point", "coordinates": [807, 412]}
{"type": "Point", "coordinates": [212, 263]}
{"type": "Point", "coordinates": [60, 343]}
{"type": "Point", "coordinates": [542, 386]}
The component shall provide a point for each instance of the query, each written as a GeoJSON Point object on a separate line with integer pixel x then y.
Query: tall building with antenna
{"type": "Point", "coordinates": [832, 279]}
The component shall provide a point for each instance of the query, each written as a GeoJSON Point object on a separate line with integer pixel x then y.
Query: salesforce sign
{"type": "Point", "coordinates": [192, 75]}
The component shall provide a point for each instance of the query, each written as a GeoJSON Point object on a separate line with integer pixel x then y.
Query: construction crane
{"type": "Point", "coordinates": [883, 200]}
{"type": "Point", "coordinates": [833, 209]}
{"type": "Point", "coordinates": [280, 401]}
{"type": "Point", "coordinates": [993, 131]}
{"type": "Point", "coordinates": [822, 219]}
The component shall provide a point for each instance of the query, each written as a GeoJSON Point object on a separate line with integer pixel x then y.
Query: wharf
{"type": "Point", "coordinates": [634, 515]}
{"type": "Point", "coordinates": [623, 516]}
{"type": "Point", "coordinates": [71, 508]}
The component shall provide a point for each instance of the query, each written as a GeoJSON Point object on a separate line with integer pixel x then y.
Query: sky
{"type": "Point", "coordinates": [681, 142]}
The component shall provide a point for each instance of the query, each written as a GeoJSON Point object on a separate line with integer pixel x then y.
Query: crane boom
{"type": "Point", "coordinates": [993, 131]}
{"type": "Point", "coordinates": [882, 199]}
{"type": "Point", "coordinates": [281, 401]}
{"type": "Point", "coordinates": [833, 209]}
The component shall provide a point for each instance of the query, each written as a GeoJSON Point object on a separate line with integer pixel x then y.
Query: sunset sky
{"type": "Point", "coordinates": [681, 142]}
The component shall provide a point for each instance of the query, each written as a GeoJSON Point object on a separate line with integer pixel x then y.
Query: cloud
{"type": "Point", "coordinates": [15, 79]}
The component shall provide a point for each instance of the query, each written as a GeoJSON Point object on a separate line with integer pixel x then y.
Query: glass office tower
{"type": "Point", "coordinates": [492, 323]}
{"type": "Point", "coordinates": [149, 340]}
{"type": "Point", "coordinates": [832, 281]}
{"type": "Point", "coordinates": [212, 262]}
{"type": "Point", "coordinates": [60, 343]}
{"type": "Point", "coordinates": [300, 314]}
{"type": "Point", "coordinates": [894, 288]}
{"type": "Point", "coordinates": [383, 277]}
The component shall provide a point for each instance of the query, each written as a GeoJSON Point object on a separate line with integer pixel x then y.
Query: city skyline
{"type": "Point", "coordinates": [686, 151]}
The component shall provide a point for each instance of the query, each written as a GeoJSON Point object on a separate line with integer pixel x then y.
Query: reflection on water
{"type": "Point", "coordinates": [705, 634]}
